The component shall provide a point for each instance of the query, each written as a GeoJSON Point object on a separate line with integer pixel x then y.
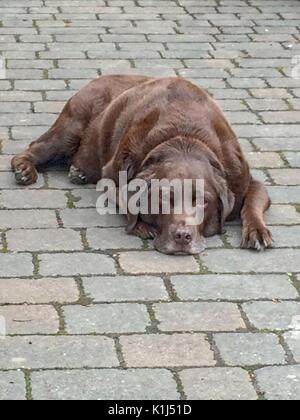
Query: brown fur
{"type": "Point", "coordinates": [150, 127]}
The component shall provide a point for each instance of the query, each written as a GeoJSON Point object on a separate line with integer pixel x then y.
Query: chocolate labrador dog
{"type": "Point", "coordinates": [163, 128]}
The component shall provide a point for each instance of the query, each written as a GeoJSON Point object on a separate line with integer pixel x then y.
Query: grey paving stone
{"type": "Point", "coordinates": [46, 240]}
{"type": "Point", "coordinates": [125, 288]}
{"type": "Point", "coordinates": [4, 134]}
{"type": "Point", "coordinates": [277, 144]}
{"type": "Point", "coordinates": [59, 95]}
{"type": "Point", "coordinates": [106, 318]}
{"type": "Point", "coordinates": [86, 218]}
{"type": "Point", "coordinates": [267, 104]}
{"type": "Point", "coordinates": [285, 176]}
{"type": "Point", "coordinates": [293, 340]}
{"type": "Point", "coordinates": [280, 116]}
{"type": "Point", "coordinates": [75, 264]}
{"type": "Point", "coordinates": [28, 64]}
{"type": "Point", "coordinates": [202, 316]}
{"type": "Point", "coordinates": [38, 85]}
{"type": "Point", "coordinates": [232, 104]}
{"type": "Point", "coordinates": [236, 117]}
{"type": "Point", "coordinates": [104, 384]}
{"type": "Point", "coordinates": [159, 350]}
{"type": "Point", "coordinates": [30, 199]}
{"type": "Point", "coordinates": [49, 106]}
{"type": "Point", "coordinates": [86, 198]}
{"type": "Point", "coordinates": [12, 386]}
{"type": "Point", "coordinates": [268, 130]}
{"type": "Point", "coordinates": [260, 175]}
{"type": "Point", "coordinates": [228, 93]}
{"type": "Point", "coordinates": [233, 287]}
{"type": "Point", "coordinates": [33, 319]}
{"type": "Point", "coordinates": [243, 261]}
{"type": "Point", "coordinates": [5, 162]}
{"type": "Point", "coordinates": [284, 236]}
{"type": "Point", "coordinates": [250, 349]}
{"type": "Point", "coordinates": [38, 291]}
{"type": "Point", "coordinates": [16, 265]}
{"type": "Point", "coordinates": [293, 158]}
{"type": "Point", "coordinates": [286, 194]}
{"type": "Point", "coordinates": [13, 147]}
{"type": "Point", "coordinates": [288, 377]}
{"type": "Point", "coordinates": [112, 238]}
{"type": "Point", "coordinates": [264, 160]}
{"type": "Point", "coordinates": [7, 182]}
{"type": "Point", "coordinates": [27, 219]}
{"type": "Point", "coordinates": [26, 119]}
{"type": "Point", "coordinates": [272, 315]}
{"type": "Point", "coordinates": [15, 107]}
{"type": "Point", "coordinates": [217, 384]}
{"type": "Point", "coordinates": [219, 44]}
{"type": "Point", "coordinates": [149, 262]}
{"type": "Point", "coordinates": [37, 352]}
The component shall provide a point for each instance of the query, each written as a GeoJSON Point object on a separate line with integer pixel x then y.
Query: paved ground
{"type": "Point", "coordinates": [92, 313]}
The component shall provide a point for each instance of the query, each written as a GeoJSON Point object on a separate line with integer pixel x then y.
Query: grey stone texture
{"type": "Point", "coordinates": [88, 312]}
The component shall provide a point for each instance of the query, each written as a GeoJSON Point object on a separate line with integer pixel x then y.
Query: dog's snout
{"type": "Point", "coordinates": [183, 236]}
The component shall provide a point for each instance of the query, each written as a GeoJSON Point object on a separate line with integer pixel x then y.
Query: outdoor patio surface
{"type": "Point", "coordinates": [88, 312]}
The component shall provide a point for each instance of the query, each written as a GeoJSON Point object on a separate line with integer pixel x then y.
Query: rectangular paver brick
{"type": "Point", "coordinates": [217, 384]}
{"type": "Point", "coordinates": [125, 288]}
{"type": "Point", "coordinates": [16, 265]}
{"type": "Point", "coordinates": [285, 176]}
{"type": "Point", "coordinates": [38, 291]}
{"type": "Point", "coordinates": [33, 319]}
{"type": "Point", "coordinates": [45, 240]}
{"type": "Point", "coordinates": [250, 349]}
{"type": "Point", "coordinates": [202, 316]}
{"type": "Point", "coordinates": [279, 383]}
{"type": "Point", "coordinates": [277, 144]}
{"type": "Point", "coordinates": [233, 287]}
{"type": "Point", "coordinates": [243, 261]}
{"type": "Point", "coordinates": [29, 199]}
{"type": "Point", "coordinates": [272, 315]}
{"type": "Point", "coordinates": [106, 318]}
{"type": "Point", "coordinates": [108, 384]}
{"type": "Point", "coordinates": [12, 386]}
{"type": "Point", "coordinates": [153, 262]}
{"type": "Point", "coordinates": [292, 339]}
{"type": "Point", "coordinates": [76, 264]}
{"type": "Point", "coordinates": [85, 218]}
{"type": "Point", "coordinates": [37, 352]}
{"type": "Point", "coordinates": [27, 219]}
{"type": "Point", "coordinates": [112, 239]}
{"type": "Point", "coordinates": [159, 350]}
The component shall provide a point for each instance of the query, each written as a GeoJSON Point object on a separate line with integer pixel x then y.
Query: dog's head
{"type": "Point", "coordinates": [203, 211]}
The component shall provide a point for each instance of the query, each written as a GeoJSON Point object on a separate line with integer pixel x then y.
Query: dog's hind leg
{"type": "Point", "coordinates": [62, 140]}
{"type": "Point", "coordinates": [255, 233]}
{"type": "Point", "coordinates": [86, 163]}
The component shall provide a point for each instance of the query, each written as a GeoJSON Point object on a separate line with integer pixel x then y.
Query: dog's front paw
{"type": "Point", "coordinates": [77, 176]}
{"type": "Point", "coordinates": [256, 237]}
{"type": "Point", "coordinates": [25, 171]}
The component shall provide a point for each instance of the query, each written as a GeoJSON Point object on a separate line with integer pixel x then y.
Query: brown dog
{"type": "Point", "coordinates": [156, 128]}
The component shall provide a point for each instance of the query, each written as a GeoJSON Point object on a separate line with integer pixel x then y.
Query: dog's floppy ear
{"type": "Point", "coordinates": [226, 197]}
{"type": "Point", "coordinates": [226, 202]}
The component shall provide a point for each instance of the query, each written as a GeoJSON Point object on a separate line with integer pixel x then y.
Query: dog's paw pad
{"type": "Point", "coordinates": [25, 174]}
{"type": "Point", "coordinates": [257, 238]}
{"type": "Point", "coordinates": [76, 176]}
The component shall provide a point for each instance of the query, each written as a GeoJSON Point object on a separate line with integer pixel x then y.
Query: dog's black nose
{"type": "Point", "coordinates": [183, 235]}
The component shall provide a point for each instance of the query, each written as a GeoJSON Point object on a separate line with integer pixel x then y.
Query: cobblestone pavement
{"type": "Point", "coordinates": [93, 313]}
